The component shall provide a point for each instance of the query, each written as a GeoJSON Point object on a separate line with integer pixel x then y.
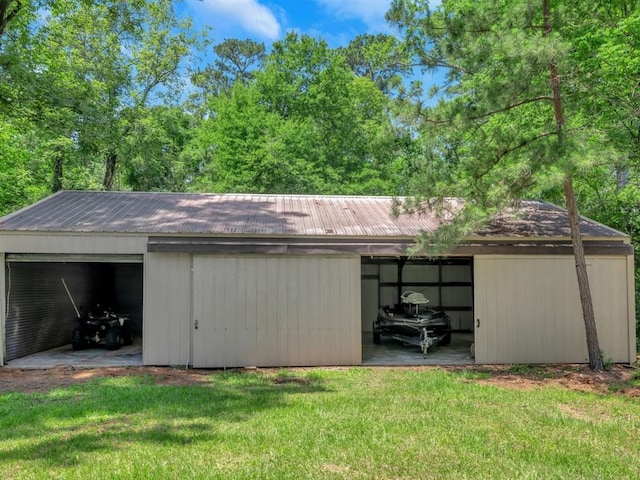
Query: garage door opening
{"type": "Point", "coordinates": [447, 284]}
{"type": "Point", "coordinates": [40, 317]}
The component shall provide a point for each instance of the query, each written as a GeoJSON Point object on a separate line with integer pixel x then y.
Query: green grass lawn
{"type": "Point", "coordinates": [319, 423]}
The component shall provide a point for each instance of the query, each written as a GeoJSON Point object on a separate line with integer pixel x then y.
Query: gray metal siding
{"type": "Point", "coordinates": [40, 315]}
{"type": "Point", "coordinates": [72, 244]}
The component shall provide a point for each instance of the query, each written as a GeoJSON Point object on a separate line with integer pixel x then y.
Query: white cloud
{"type": "Point", "coordinates": [371, 12]}
{"type": "Point", "coordinates": [250, 15]}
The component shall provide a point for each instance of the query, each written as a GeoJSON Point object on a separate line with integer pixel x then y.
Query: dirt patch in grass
{"type": "Point", "coordinates": [36, 380]}
{"type": "Point", "coordinates": [618, 379]}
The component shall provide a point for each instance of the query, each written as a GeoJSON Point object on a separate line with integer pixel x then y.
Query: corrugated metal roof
{"type": "Point", "coordinates": [268, 215]}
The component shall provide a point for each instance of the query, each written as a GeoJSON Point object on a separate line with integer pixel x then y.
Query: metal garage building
{"type": "Point", "coordinates": [214, 280]}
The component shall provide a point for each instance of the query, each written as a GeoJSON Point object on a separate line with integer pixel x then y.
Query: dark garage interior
{"type": "Point", "coordinates": [447, 283]}
{"type": "Point", "coordinates": [40, 315]}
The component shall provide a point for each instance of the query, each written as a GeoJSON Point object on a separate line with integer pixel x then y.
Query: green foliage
{"type": "Point", "coordinates": [83, 74]}
{"type": "Point", "coordinates": [380, 58]}
{"type": "Point", "coordinates": [494, 137]}
{"type": "Point", "coordinates": [242, 147]}
{"type": "Point", "coordinates": [97, 83]}
{"type": "Point", "coordinates": [153, 152]}
{"type": "Point", "coordinates": [304, 124]}
{"type": "Point", "coordinates": [236, 60]}
{"type": "Point", "coordinates": [22, 177]}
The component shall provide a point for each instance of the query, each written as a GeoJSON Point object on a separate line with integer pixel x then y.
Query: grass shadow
{"type": "Point", "coordinates": [60, 427]}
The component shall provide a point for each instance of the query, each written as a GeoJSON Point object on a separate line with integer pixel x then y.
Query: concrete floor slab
{"type": "Point", "coordinates": [392, 352]}
{"type": "Point", "coordinates": [129, 356]}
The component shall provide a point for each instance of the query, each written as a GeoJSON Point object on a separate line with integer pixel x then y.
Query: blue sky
{"type": "Point", "coordinates": [336, 21]}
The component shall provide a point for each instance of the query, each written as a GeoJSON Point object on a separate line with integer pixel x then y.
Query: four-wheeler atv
{"type": "Point", "coordinates": [102, 327]}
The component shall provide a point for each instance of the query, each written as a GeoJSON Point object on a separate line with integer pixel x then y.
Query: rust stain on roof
{"type": "Point", "coordinates": [268, 215]}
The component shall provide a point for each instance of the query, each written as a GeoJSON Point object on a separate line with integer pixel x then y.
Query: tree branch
{"type": "Point", "coordinates": [5, 17]}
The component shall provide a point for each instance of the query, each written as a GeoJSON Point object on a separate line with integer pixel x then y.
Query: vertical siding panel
{"type": "Point", "coordinates": [631, 310]}
{"type": "Point", "coordinates": [310, 313]}
{"type": "Point", "coordinates": [303, 306]}
{"type": "Point", "coordinates": [352, 349]}
{"type": "Point", "coordinates": [217, 281]}
{"type": "Point", "coordinates": [351, 340]}
{"type": "Point", "coordinates": [293, 302]}
{"type": "Point", "coordinates": [208, 290]}
{"type": "Point", "coordinates": [335, 323]}
{"type": "Point", "coordinates": [609, 279]}
{"type": "Point", "coordinates": [235, 308]}
{"type": "Point", "coordinates": [284, 348]}
{"type": "Point", "coordinates": [481, 280]}
{"type": "Point", "coordinates": [309, 333]}
{"type": "Point", "coordinates": [505, 306]}
{"type": "Point", "coordinates": [327, 348]}
{"type": "Point", "coordinates": [167, 306]}
{"type": "Point", "coordinates": [256, 320]}
{"type": "Point", "coordinates": [269, 338]}
{"type": "Point", "coordinates": [238, 324]}
{"type": "Point", "coordinates": [277, 339]}
{"type": "Point", "coordinates": [517, 322]}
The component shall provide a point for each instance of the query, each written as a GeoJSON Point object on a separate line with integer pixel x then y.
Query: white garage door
{"type": "Point", "coordinates": [527, 309]}
{"type": "Point", "coordinates": [276, 311]}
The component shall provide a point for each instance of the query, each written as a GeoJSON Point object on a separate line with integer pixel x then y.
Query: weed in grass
{"type": "Point", "coordinates": [633, 382]}
{"type": "Point", "coordinates": [606, 361]}
{"type": "Point", "coordinates": [473, 375]}
{"type": "Point", "coordinates": [525, 369]}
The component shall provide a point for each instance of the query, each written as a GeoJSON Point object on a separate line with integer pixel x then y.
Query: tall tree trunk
{"type": "Point", "coordinates": [593, 346]}
{"type": "Point", "coordinates": [58, 172]}
{"type": "Point", "coordinates": [110, 170]}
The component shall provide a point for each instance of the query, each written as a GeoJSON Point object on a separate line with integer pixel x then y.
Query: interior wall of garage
{"type": "Point", "coordinates": [528, 309]}
{"type": "Point", "coordinates": [40, 315]}
{"type": "Point", "coordinates": [127, 292]}
{"type": "Point", "coordinates": [276, 311]}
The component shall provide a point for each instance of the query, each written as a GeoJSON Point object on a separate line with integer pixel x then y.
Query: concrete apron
{"type": "Point", "coordinates": [129, 356]}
